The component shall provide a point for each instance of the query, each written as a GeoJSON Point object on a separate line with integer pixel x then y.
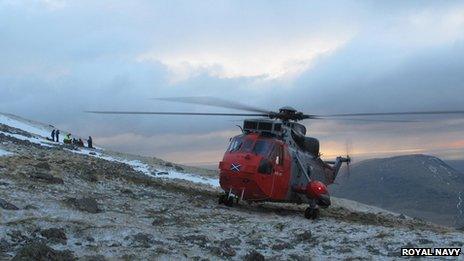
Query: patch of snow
{"type": "Point", "coordinates": [29, 127]}
{"type": "Point", "coordinates": [149, 170]}
{"type": "Point", "coordinates": [433, 169]}
{"type": "Point", "coordinates": [193, 178]}
{"type": "Point", "coordinates": [41, 142]}
{"type": "Point", "coordinates": [4, 153]}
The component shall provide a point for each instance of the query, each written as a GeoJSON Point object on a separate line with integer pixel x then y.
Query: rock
{"type": "Point", "coordinates": [4, 245]}
{"type": "Point", "coordinates": [56, 235]}
{"type": "Point", "coordinates": [327, 247]}
{"type": "Point", "coordinates": [168, 164]}
{"type": "Point", "coordinates": [17, 236]}
{"type": "Point", "coordinates": [305, 236]}
{"type": "Point", "coordinates": [88, 175]}
{"type": "Point", "coordinates": [93, 258]}
{"type": "Point", "coordinates": [345, 249]}
{"type": "Point", "coordinates": [147, 194]}
{"type": "Point", "coordinates": [29, 207]}
{"type": "Point", "coordinates": [279, 226]}
{"type": "Point", "coordinates": [281, 246]}
{"type": "Point", "coordinates": [402, 216]}
{"type": "Point", "coordinates": [45, 177]}
{"type": "Point", "coordinates": [6, 205]}
{"type": "Point", "coordinates": [254, 256]}
{"type": "Point", "coordinates": [258, 243]}
{"type": "Point", "coordinates": [299, 258]}
{"type": "Point", "coordinates": [224, 249]}
{"type": "Point", "coordinates": [158, 221]}
{"type": "Point", "coordinates": [178, 168]}
{"type": "Point", "coordinates": [85, 204]}
{"type": "Point", "coordinates": [200, 240]}
{"type": "Point", "coordinates": [43, 165]}
{"type": "Point", "coordinates": [162, 173]}
{"type": "Point", "coordinates": [141, 240]}
{"type": "Point", "coordinates": [127, 191]}
{"type": "Point", "coordinates": [40, 251]}
{"type": "Point", "coordinates": [233, 241]}
{"type": "Point", "coordinates": [130, 193]}
{"type": "Point", "coordinates": [424, 241]}
{"type": "Point", "coordinates": [373, 250]}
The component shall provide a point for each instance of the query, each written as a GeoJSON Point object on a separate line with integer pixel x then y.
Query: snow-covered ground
{"type": "Point", "coordinates": [25, 125]}
{"type": "Point", "coordinates": [40, 131]}
{"type": "Point", "coordinates": [4, 153]}
{"type": "Point", "coordinates": [149, 170]}
{"type": "Point", "coordinates": [36, 140]}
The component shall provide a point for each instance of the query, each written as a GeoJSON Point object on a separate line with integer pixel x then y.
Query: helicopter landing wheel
{"type": "Point", "coordinates": [311, 213]}
{"type": "Point", "coordinates": [222, 199]}
{"type": "Point", "coordinates": [229, 201]}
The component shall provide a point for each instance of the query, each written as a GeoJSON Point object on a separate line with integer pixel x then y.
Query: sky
{"type": "Point", "coordinates": [59, 58]}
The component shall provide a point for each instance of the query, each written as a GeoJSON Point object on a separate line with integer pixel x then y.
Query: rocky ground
{"type": "Point", "coordinates": [57, 204]}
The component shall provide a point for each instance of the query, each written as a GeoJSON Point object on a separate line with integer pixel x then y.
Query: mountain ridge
{"type": "Point", "coordinates": [419, 185]}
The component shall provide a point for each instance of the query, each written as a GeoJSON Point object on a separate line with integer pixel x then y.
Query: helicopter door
{"type": "Point", "coordinates": [280, 180]}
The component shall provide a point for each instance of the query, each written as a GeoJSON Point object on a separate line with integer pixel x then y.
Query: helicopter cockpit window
{"type": "Point", "coordinates": [263, 147]}
{"type": "Point", "coordinates": [247, 145]}
{"type": "Point", "coordinates": [235, 144]}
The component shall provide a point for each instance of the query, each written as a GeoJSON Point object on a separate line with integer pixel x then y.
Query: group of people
{"type": "Point", "coordinates": [68, 139]}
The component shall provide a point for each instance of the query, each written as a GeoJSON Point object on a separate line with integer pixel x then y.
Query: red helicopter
{"type": "Point", "coordinates": [273, 159]}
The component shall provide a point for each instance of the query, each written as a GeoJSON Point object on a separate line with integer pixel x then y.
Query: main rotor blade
{"type": "Point", "coordinates": [215, 102]}
{"type": "Point", "coordinates": [176, 113]}
{"type": "Point", "coordinates": [392, 113]}
{"type": "Point", "coordinates": [363, 120]}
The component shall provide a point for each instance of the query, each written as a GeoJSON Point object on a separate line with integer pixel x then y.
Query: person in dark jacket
{"type": "Point", "coordinates": [53, 134]}
{"type": "Point", "coordinates": [57, 135]}
{"type": "Point", "coordinates": [89, 142]}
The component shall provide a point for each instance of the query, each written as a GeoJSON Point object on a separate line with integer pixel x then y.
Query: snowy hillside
{"type": "Point", "coordinates": [61, 202]}
{"type": "Point", "coordinates": [36, 132]}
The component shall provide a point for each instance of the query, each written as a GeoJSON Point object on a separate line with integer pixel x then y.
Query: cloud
{"type": "Point", "coordinates": [49, 5]}
{"type": "Point", "coordinates": [268, 58]}
{"type": "Point", "coordinates": [319, 57]}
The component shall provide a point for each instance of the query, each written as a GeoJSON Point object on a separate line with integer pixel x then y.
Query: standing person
{"type": "Point", "coordinates": [89, 142]}
{"type": "Point", "coordinates": [57, 135]}
{"type": "Point", "coordinates": [53, 134]}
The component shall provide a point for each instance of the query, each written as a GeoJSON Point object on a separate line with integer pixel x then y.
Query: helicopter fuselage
{"type": "Point", "coordinates": [269, 161]}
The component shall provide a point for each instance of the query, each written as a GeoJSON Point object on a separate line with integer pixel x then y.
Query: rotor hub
{"type": "Point", "coordinates": [287, 113]}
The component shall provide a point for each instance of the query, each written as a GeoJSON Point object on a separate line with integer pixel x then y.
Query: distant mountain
{"type": "Point", "coordinates": [457, 165]}
{"type": "Point", "coordinates": [417, 185]}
